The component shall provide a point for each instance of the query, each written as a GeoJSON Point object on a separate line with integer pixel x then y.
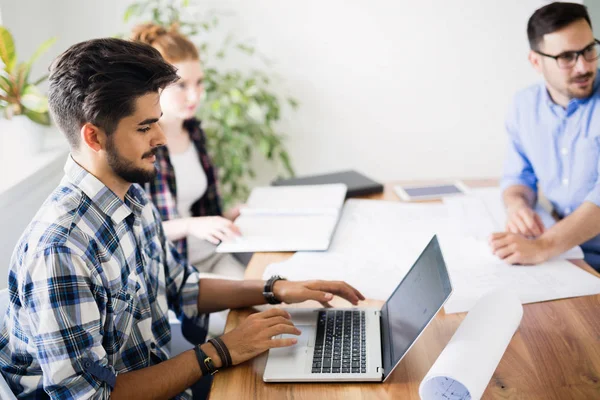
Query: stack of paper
{"type": "Point", "coordinates": [288, 218]}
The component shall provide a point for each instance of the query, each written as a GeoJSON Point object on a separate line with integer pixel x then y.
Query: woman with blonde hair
{"type": "Point", "coordinates": [185, 189]}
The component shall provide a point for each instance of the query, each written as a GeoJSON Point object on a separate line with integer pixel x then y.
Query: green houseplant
{"type": "Point", "coordinates": [18, 95]}
{"type": "Point", "coordinates": [24, 115]}
{"type": "Point", "coordinates": [240, 111]}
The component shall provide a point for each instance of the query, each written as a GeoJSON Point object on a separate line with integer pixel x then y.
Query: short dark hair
{"type": "Point", "coordinates": [552, 18]}
{"type": "Point", "coordinates": [98, 81]}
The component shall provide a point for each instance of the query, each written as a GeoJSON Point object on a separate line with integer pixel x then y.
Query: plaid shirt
{"type": "Point", "coordinates": [163, 189]}
{"type": "Point", "coordinates": [90, 284]}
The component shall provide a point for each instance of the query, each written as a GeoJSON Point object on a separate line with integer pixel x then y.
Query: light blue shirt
{"type": "Point", "coordinates": [557, 150]}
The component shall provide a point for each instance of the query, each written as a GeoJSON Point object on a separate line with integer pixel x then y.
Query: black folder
{"type": "Point", "coordinates": [358, 184]}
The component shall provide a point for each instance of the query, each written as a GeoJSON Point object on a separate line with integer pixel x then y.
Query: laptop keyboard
{"type": "Point", "coordinates": [340, 343]}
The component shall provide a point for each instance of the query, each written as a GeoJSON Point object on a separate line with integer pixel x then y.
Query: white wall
{"type": "Point", "coordinates": [594, 10]}
{"type": "Point", "coordinates": [397, 89]}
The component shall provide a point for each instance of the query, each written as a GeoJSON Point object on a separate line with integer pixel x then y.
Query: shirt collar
{"type": "Point", "coordinates": [106, 200]}
{"type": "Point", "coordinates": [573, 103]}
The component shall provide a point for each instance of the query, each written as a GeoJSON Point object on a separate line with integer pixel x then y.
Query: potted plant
{"type": "Point", "coordinates": [23, 108]}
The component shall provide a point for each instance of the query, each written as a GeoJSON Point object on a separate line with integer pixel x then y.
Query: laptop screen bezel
{"type": "Point", "coordinates": [386, 374]}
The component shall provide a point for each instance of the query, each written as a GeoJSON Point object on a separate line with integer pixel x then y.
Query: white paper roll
{"type": "Point", "coordinates": [465, 366]}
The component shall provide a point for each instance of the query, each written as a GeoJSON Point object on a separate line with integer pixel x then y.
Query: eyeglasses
{"type": "Point", "coordinates": [568, 59]}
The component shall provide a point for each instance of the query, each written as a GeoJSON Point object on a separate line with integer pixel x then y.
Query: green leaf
{"type": "Point", "coordinates": [285, 159]}
{"type": "Point", "coordinates": [41, 50]}
{"type": "Point", "coordinates": [40, 80]}
{"type": "Point", "coordinates": [133, 9]}
{"type": "Point", "coordinates": [6, 85]}
{"type": "Point", "coordinates": [20, 77]}
{"type": "Point", "coordinates": [40, 118]}
{"type": "Point", "coordinates": [33, 100]}
{"type": "Point", "coordinates": [8, 55]}
{"type": "Point", "coordinates": [246, 48]}
{"type": "Point", "coordinates": [293, 103]}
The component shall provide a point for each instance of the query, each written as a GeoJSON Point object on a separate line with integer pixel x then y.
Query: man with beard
{"type": "Point", "coordinates": [554, 143]}
{"type": "Point", "coordinates": [93, 276]}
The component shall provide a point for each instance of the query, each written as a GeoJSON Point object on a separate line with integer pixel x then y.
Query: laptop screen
{"type": "Point", "coordinates": [414, 303]}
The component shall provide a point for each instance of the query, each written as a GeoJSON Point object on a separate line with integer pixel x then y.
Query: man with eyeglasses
{"type": "Point", "coordinates": [554, 143]}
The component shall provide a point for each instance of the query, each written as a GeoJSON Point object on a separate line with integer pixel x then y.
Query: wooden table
{"type": "Point", "coordinates": [555, 353]}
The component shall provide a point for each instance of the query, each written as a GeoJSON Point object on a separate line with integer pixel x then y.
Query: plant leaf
{"type": "Point", "coordinates": [21, 75]}
{"type": "Point", "coordinates": [132, 10]}
{"type": "Point", "coordinates": [6, 85]}
{"type": "Point", "coordinates": [40, 118]}
{"type": "Point", "coordinates": [42, 48]}
{"type": "Point", "coordinates": [8, 55]}
{"type": "Point", "coordinates": [34, 100]}
{"type": "Point", "coordinates": [40, 80]}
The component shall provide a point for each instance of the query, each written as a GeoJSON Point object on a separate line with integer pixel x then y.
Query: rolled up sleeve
{"type": "Point", "coordinates": [62, 305]}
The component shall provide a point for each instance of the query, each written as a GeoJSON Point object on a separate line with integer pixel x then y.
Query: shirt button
{"type": "Point", "coordinates": [564, 151]}
{"type": "Point", "coordinates": [128, 296]}
{"type": "Point", "coordinates": [565, 181]}
{"type": "Point", "coordinates": [153, 345]}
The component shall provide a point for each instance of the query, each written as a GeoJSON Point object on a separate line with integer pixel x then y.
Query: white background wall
{"type": "Point", "coordinates": [397, 89]}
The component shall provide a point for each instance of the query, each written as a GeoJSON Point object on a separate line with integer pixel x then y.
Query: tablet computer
{"type": "Point", "coordinates": [430, 192]}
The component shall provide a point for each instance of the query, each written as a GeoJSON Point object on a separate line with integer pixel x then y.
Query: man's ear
{"type": "Point", "coordinates": [536, 61]}
{"type": "Point", "coordinates": [93, 137]}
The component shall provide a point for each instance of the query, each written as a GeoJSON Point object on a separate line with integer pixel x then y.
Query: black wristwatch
{"type": "Point", "coordinates": [268, 290]}
{"type": "Point", "coordinates": [206, 363]}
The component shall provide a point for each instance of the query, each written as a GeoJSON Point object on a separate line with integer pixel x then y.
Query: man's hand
{"type": "Point", "coordinates": [213, 229]}
{"type": "Point", "coordinates": [516, 249]}
{"type": "Point", "coordinates": [322, 291]}
{"type": "Point", "coordinates": [524, 221]}
{"type": "Point", "coordinates": [254, 335]}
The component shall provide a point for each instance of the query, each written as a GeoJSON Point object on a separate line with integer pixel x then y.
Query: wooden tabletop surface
{"type": "Point", "coordinates": [555, 353]}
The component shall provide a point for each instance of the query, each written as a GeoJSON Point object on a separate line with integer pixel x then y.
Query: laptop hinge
{"type": "Point", "coordinates": [380, 370]}
{"type": "Point", "coordinates": [378, 313]}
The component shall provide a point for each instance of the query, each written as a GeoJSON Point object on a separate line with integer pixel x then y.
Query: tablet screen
{"type": "Point", "coordinates": [432, 190]}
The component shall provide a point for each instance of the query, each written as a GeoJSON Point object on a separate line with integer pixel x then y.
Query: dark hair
{"type": "Point", "coordinates": [552, 18]}
{"type": "Point", "coordinates": [98, 81]}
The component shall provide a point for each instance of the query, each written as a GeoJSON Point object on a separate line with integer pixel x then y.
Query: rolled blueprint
{"type": "Point", "coordinates": [465, 366]}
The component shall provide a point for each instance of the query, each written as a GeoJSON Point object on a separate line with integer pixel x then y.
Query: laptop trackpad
{"type": "Point", "coordinates": [297, 351]}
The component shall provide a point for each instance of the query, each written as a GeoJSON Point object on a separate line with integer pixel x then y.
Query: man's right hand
{"type": "Point", "coordinates": [524, 221]}
{"type": "Point", "coordinates": [213, 229]}
{"type": "Point", "coordinates": [254, 336]}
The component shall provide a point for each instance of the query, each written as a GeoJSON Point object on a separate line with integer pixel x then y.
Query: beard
{"type": "Point", "coordinates": [580, 93]}
{"type": "Point", "coordinates": [126, 169]}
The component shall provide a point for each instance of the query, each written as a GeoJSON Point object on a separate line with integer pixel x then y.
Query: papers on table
{"type": "Point", "coordinates": [482, 213]}
{"type": "Point", "coordinates": [465, 366]}
{"type": "Point", "coordinates": [374, 245]}
{"type": "Point", "coordinates": [288, 218]}
{"type": "Point", "coordinates": [376, 242]}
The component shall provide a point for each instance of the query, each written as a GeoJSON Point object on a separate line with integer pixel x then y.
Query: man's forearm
{"type": "Point", "coordinates": [573, 230]}
{"type": "Point", "coordinates": [221, 294]}
{"type": "Point", "coordinates": [518, 195]}
{"type": "Point", "coordinates": [165, 380]}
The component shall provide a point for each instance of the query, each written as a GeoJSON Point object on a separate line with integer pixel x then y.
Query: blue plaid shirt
{"type": "Point", "coordinates": [90, 283]}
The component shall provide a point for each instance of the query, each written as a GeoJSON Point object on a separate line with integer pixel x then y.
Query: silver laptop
{"type": "Point", "coordinates": [363, 344]}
